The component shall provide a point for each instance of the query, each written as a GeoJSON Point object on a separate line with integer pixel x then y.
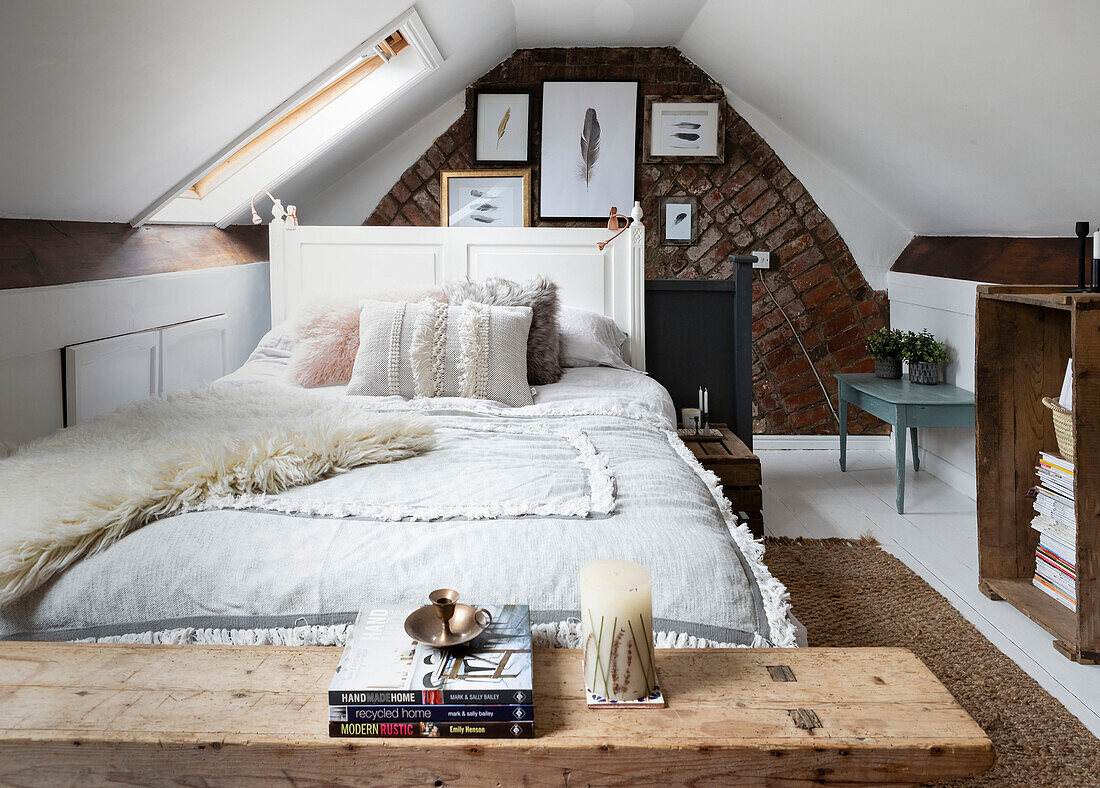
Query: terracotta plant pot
{"type": "Point", "coordinates": [889, 368]}
{"type": "Point", "coordinates": [926, 372]}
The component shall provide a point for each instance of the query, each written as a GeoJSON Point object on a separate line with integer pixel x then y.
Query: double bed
{"type": "Point", "coordinates": [506, 507]}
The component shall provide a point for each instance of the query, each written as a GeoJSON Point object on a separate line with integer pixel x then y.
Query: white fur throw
{"type": "Point", "coordinates": [75, 492]}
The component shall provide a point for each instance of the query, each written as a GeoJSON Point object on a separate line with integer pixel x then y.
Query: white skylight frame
{"type": "Point", "coordinates": [427, 59]}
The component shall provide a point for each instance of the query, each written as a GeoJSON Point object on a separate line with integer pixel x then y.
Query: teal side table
{"type": "Point", "coordinates": [906, 406]}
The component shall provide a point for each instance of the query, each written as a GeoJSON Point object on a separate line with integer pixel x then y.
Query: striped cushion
{"type": "Point", "coordinates": [433, 349]}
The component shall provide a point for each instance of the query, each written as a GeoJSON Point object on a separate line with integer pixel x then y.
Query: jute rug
{"type": "Point", "coordinates": [855, 594]}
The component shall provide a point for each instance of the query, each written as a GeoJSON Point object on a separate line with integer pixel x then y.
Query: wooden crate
{"type": "Point", "coordinates": [1024, 336]}
{"type": "Point", "coordinates": [737, 468]}
{"type": "Point", "coordinates": [235, 715]}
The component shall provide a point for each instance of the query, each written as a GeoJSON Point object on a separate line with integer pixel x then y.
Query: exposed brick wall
{"type": "Point", "coordinates": [752, 201]}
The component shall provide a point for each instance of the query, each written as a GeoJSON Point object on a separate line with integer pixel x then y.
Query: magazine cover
{"type": "Point", "coordinates": [381, 665]}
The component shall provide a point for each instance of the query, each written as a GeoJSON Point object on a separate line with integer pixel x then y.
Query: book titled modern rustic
{"type": "Point", "coordinates": [387, 684]}
{"type": "Point", "coordinates": [431, 730]}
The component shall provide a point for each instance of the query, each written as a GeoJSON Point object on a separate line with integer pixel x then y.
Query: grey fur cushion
{"type": "Point", "coordinates": [541, 295]}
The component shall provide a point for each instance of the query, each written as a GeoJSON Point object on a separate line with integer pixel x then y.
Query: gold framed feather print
{"type": "Point", "coordinates": [485, 198]}
{"type": "Point", "coordinates": [502, 126]}
{"type": "Point", "coordinates": [587, 148]}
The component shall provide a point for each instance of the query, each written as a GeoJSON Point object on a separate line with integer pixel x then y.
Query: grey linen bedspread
{"type": "Point", "coordinates": [231, 569]}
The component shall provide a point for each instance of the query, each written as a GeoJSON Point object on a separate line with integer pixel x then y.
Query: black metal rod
{"type": "Point", "coordinates": [742, 356]}
{"type": "Point", "coordinates": [1082, 230]}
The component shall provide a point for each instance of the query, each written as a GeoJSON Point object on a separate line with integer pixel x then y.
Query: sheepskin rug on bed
{"type": "Point", "coordinates": [75, 492]}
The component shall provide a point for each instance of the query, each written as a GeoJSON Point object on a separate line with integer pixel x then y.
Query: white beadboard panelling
{"type": "Point", "coordinates": [34, 319]}
{"type": "Point", "coordinates": [106, 373]}
{"type": "Point", "coordinates": [31, 402]}
{"type": "Point", "coordinates": [35, 323]}
{"type": "Point", "coordinates": [192, 353]}
{"type": "Point", "coordinates": [946, 308]}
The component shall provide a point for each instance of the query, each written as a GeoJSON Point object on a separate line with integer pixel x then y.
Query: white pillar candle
{"type": "Point", "coordinates": [1096, 246]}
{"type": "Point", "coordinates": [617, 629]}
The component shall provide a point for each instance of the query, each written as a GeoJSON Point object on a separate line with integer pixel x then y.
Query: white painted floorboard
{"type": "Point", "coordinates": [805, 494]}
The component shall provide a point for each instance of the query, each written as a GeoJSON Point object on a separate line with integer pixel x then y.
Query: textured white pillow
{"type": "Point", "coordinates": [589, 339]}
{"type": "Point", "coordinates": [433, 349]}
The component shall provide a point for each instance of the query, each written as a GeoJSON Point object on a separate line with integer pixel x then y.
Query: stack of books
{"type": "Point", "coordinates": [1056, 522]}
{"type": "Point", "coordinates": [388, 685]}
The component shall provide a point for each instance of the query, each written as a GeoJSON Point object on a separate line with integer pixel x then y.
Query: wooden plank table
{"type": "Point", "coordinates": [236, 715]}
{"type": "Point", "coordinates": [904, 405]}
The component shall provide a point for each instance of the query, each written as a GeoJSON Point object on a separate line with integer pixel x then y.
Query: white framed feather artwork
{"type": "Point", "coordinates": [588, 148]}
{"type": "Point", "coordinates": [502, 126]}
{"type": "Point", "coordinates": [686, 129]}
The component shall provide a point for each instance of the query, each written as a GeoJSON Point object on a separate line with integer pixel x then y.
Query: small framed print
{"type": "Point", "coordinates": [679, 220]}
{"type": "Point", "coordinates": [485, 198]}
{"type": "Point", "coordinates": [688, 129]}
{"type": "Point", "coordinates": [502, 127]}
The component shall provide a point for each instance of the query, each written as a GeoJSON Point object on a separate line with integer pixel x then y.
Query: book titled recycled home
{"type": "Point", "coordinates": [389, 685]}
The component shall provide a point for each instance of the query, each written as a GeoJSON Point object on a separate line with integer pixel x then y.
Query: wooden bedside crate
{"type": "Point", "coordinates": [737, 468]}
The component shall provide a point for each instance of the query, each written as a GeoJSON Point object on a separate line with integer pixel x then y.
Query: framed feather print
{"type": "Point", "coordinates": [588, 148]}
{"type": "Point", "coordinates": [485, 198]}
{"type": "Point", "coordinates": [679, 220]}
{"type": "Point", "coordinates": [687, 129]}
{"type": "Point", "coordinates": [502, 126]}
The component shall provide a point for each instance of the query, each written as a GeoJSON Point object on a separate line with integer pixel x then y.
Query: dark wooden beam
{"type": "Point", "coordinates": [36, 252]}
{"type": "Point", "coordinates": [1008, 261]}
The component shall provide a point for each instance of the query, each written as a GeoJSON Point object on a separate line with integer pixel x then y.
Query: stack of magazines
{"type": "Point", "coordinates": [1056, 522]}
{"type": "Point", "coordinates": [388, 685]}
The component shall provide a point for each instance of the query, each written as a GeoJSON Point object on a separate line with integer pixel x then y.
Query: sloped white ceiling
{"type": "Point", "coordinates": [107, 105]}
{"type": "Point", "coordinates": [976, 117]}
{"type": "Point", "coordinates": [973, 118]}
{"type": "Point", "coordinates": [586, 23]}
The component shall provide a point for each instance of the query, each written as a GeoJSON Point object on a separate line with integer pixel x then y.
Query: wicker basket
{"type": "Point", "coordinates": [1063, 427]}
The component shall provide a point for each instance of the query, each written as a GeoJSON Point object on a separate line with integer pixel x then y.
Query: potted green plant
{"type": "Point", "coordinates": [885, 346]}
{"type": "Point", "coordinates": [924, 355]}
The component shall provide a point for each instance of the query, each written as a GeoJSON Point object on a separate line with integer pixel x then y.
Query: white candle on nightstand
{"type": "Point", "coordinates": [617, 629]}
{"type": "Point", "coordinates": [1096, 246]}
{"type": "Point", "coordinates": [706, 400]}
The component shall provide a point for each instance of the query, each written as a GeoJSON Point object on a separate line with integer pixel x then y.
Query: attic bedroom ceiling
{"type": "Point", "coordinates": [942, 117]}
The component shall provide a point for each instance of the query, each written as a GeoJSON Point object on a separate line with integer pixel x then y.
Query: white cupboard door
{"type": "Point", "coordinates": [106, 373]}
{"type": "Point", "coordinates": [193, 353]}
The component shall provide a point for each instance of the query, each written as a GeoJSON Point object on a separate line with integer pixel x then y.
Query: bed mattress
{"type": "Point", "coordinates": [465, 516]}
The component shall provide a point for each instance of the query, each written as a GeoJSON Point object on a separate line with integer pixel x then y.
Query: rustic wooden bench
{"type": "Point", "coordinates": [236, 715]}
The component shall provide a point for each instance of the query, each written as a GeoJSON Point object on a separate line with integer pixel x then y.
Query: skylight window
{"type": "Point", "coordinates": [303, 127]}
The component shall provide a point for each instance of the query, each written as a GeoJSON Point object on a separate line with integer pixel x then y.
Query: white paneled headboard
{"type": "Point", "coordinates": [309, 262]}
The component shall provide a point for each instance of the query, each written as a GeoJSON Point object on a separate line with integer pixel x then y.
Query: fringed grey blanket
{"type": "Point", "coordinates": [507, 508]}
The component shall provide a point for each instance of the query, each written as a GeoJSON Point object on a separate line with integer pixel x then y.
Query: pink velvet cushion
{"type": "Point", "coordinates": [326, 335]}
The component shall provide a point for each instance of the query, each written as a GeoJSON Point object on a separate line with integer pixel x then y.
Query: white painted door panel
{"type": "Point", "coordinates": [106, 373]}
{"type": "Point", "coordinates": [193, 353]}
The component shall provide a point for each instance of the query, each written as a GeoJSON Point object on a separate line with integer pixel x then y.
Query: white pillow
{"type": "Point", "coordinates": [433, 349]}
{"type": "Point", "coordinates": [589, 339]}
